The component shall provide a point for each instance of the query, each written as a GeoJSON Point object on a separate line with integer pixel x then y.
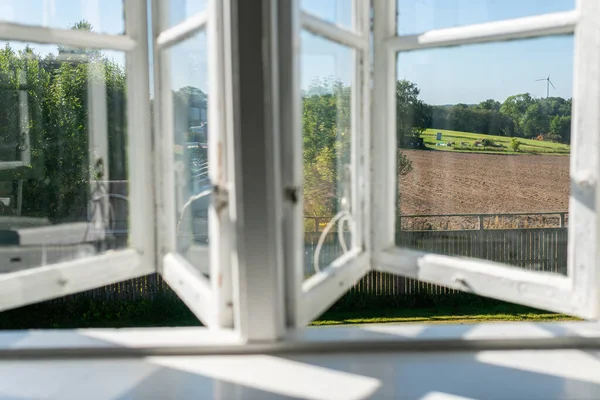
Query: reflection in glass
{"type": "Point", "coordinates": [180, 10]}
{"type": "Point", "coordinates": [192, 183]}
{"type": "Point", "coordinates": [326, 132]}
{"type": "Point", "coordinates": [338, 12]}
{"type": "Point", "coordinates": [421, 16]}
{"type": "Point", "coordinates": [483, 160]}
{"type": "Point", "coordinates": [105, 16]}
{"type": "Point", "coordinates": [63, 176]}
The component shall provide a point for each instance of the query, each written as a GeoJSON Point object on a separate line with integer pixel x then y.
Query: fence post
{"type": "Point", "coordinates": [481, 245]}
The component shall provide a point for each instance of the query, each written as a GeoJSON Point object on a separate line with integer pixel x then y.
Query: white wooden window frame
{"type": "Point", "coordinates": [209, 298]}
{"type": "Point", "coordinates": [308, 298]}
{"type": "Point", "coordinates": [576, 294]}
{"type": "Point", "coordinates": [33, 285]}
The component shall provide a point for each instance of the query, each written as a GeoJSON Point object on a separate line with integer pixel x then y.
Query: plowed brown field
{"type": "Point", "coordinates": [449, 183]}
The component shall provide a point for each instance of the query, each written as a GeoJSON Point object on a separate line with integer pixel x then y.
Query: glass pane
{"type": "Point", "coordinates": [192, 183]}
{"type": "Point", "coordinates": [338, 12]}
{"type": "Point", "coordinates": [421, 16]}
{"type": "Point", "coordinates": [327, 70]}
{"type": "Point", "coordinates": [484, 151]}
{"type": "Point", "coordinates": [180, 10]}
{"type": "Point", "coordinates": [105, 16]}
{"type": "Point", "coordinates": [63, 143]}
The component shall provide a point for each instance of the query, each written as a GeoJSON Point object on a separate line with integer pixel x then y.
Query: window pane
{"type": "Point", "coordinates": [63, 172]}
{"type": "Point", "coordinates": [338, 12]}
{"type": "Point", "coordinates": [104, 16]}
{"type": "Point", "coordinates": [484, 151]}
{"type": "Point", "coordinates": [192, 184]}
{"type": "Point", "coordinates": [421, 16]}
{"type": "Point", "coordinates": [180, 10]}
{"type": "Point", "coordinates": [327, 70]}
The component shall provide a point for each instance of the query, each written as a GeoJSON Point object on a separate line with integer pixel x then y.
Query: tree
{"type": "Point", "coordinates": [561, 126]}
{"type": "Point", "coordinates": [413, 116]}
{"type": "Point", "coordinates": [515, 107]}
{"type": "Point", "coordinates": [490, 105]}
{"type": "Point", "coordinates": [57, 184]}
{"type": "Point", "coordinates": [534, 122]}
{"type": "Point", "coordinates": [326, 132]}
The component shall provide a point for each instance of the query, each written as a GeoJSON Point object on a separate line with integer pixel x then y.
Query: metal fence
{"type": "Point", "coordinates": [539, 249]}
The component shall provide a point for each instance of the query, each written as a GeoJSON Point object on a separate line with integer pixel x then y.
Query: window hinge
{"type": "Point", "coordinates": [220, 198]}
{"type": "Point", "coordinates": [291, 194]}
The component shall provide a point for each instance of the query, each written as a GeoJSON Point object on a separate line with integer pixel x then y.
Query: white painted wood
{"type": "Point", "coordinates": [99, 203]}
{"type": "Point", "coordinates": [579, 293]}
{"type": "Point", "coordinates": [361, 132]}
{"type": "Point", "coordinates": [334, 33]}
{"type": "Point", "coordinates": [139, 147]}
{"type": "Point", "coordinates": [191, 287]}
{"type": "Point", "coordinates": [258, 200]}
{"type": "Point", "coordinates": [383, 179]}
{"type": "Point", "coordinates": [584, 222]}
{"type": "Point", "coordinates": [321, 290]}
{"type": "Point", "coordinates": [34, 285]}
{"type": "Point", "coordinates": [156, 340]}
{"type": "Point", "coordinates": [356, 133]}
{"type": "Point", "coordinates": [19, 258]}
{"type": "Point", "coordinates": [182, 31]}
{"type": "Point", "coordinates": [220, 114]}
{"type": "Point", "coordinates": [536, 289]}
{"type": "Point", "coordinates": [559, 23]}
{"type": "Point", "coordinates": [459, 375]}
{"type": "Point", "coordinates": [166, 210]}
{"type": "Point", "coordinates": [291, 155]}
{"type": "Point", "coordinates": [153, 339]}
{"type": "Point", "coordinates": [199, 256]}
{"type": "Point", "coordinates": [69, 233]}
{"type": "Point", "coordinates": [88, 40]}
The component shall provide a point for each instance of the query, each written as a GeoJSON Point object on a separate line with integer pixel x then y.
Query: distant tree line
{"type": "Point", "coordinates": [518, 116]}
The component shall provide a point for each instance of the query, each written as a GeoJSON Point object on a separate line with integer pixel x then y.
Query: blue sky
{"type": "Point", "coordinates": [467, 74]}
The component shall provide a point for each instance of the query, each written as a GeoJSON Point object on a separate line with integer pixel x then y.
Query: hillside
{"type": "Point", "coordinates": [528, 146]}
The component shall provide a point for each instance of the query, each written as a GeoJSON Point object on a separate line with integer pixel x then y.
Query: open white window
{"type": "Point", "coordinates": [571, 287]}
{"type": "Point", "coordinates": [74, 154]}
{"type": "Point", "coordinates": [327, 230]}
{"type": "Point", "coordinates": [192, 196]}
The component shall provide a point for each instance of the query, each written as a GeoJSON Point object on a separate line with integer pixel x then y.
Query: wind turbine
{"type": "Point", "coordinates": [548, 83]}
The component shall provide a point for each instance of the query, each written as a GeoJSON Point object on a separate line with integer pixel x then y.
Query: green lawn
{"type": "Point", "coordinates": [528, 146]}
{"type": "Point", "coordinates": [442, 315]}
{"type": "Point", "coordinates": [170, 311]}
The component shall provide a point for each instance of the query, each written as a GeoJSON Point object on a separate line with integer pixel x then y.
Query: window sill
{"type": "Point", "coordinates": [494, 360]}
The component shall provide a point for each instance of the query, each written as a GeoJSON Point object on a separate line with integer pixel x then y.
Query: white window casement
{"type": "Point", "coordinates": [57, 258]}
{"type": "Point", "coordinates": [311, 297]}
{"type": "Point", "coordinates": [199, 273]}
{"type": "Point", "coordinates": [574, 294]}
{"type": "Point", "coordinates": [248, 280]}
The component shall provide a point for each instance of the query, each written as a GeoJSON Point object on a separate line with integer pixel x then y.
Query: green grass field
{"type": "Point", "coordinates": [441, 315]}
{"type": "Point", "coordinates": [528, 146]}
{"type": "Point", "coordinates": [170, 311]}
